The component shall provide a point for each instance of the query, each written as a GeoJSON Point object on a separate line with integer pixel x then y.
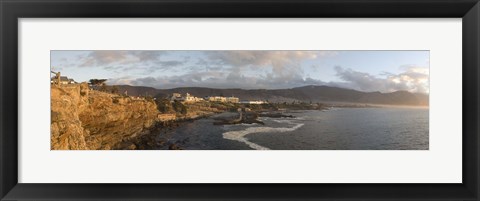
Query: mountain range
{"type": "Point", "coordinates": [311, 93]}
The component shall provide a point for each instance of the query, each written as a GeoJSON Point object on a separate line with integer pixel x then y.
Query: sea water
{"type": "Point", "coordinates": [335, 129]}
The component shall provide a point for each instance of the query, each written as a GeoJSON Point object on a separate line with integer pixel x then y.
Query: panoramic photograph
{"type": "Point", "coordinates": [239, 100]}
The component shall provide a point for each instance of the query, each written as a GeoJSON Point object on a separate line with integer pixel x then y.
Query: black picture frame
{"type": "Point", "coordinates": [12, 10]}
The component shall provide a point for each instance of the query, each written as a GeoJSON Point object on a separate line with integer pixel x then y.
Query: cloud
{"type": "Point", "coordinates": [215, 80]}
{"type": "Point", "coordinates": [126, 80]}
{"type": "Point", "coordinates": [147, 55]}
{"type": "Point", "coordinates": [413, 79]}
{"type": "Point", "coordinates": [278, 60]}
{"type": "Point", "coordinates": [278, 65]}
{"type": "Point", "coordinates": [260, 58]}
{"type": "Point", "coordinates": [114, 57]}
{"type": "Point", "coordinates": [239, 69]}
{"type": "Point", "coordinates": [126, 61]}
{"type": "Point", "coordinates": [235, 69]}
{"type": "Point", "coordinates": [171, 63]}
{"type": "Point", "coordinates": [99, 58]}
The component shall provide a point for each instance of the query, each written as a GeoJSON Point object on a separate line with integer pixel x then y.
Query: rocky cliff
{"type": "Point", "coordinates": [86, 119]}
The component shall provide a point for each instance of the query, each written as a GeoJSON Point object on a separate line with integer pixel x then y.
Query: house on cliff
{"type": "Point", "coordinates": [176, 97]}
{"type": "Point", "coordinates": [254, 102]}
{"type": "Point", "coordinates": [187, 98]}
{"type": "Point", "coordinates": [63, 80]}
{"type": "Point", "coordinates": [231, 99]}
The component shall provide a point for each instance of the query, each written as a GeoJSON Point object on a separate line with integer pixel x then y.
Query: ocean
{"type": "Point", "coordinates": [334, 129]}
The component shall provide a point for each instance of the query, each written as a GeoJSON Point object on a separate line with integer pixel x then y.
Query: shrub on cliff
{"type": "Point", "coordinates": [164, 106]}
{"type": "Point", "coordinates": [114, 90]}
{"type": "Point", "coordinates": [149, 98]}
{"type": "Point", "coordinates": [115, 100]}
{"type": "Point", "coordinates": [179, 107]}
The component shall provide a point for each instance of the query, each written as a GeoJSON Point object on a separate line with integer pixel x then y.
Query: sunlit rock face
{"type": "Point", "coordinates": [87, 119]}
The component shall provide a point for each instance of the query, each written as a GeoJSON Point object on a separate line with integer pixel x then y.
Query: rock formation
{"type": "Point", "coordinates": [87, 119]}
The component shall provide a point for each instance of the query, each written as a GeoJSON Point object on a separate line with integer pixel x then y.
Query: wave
{"type": "Point", "coordinates": [281, 121]}
{"type": "Point", "coordinates": [289, 120]}
{"type": "Point", "coordinates": [240, 135]}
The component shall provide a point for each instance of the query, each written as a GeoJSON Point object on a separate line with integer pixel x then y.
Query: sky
{"type": "Point", "coordinates": [369, 71]}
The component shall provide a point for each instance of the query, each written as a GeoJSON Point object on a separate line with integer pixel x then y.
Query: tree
{"type": "Point", "coordinates": [97, 82]}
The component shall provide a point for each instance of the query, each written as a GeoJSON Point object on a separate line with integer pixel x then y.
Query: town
{"type": "Point", "coordinates": [188, 98]}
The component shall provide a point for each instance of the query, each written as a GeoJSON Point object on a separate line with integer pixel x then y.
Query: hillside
{"type": "Point", "coordinates": [306, 94]}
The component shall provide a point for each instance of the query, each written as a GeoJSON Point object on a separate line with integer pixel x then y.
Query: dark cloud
{"type": "Point", "coordinates": [171, 63]}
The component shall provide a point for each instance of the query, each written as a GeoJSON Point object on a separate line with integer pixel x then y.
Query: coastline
{"type": "Point", "coordinates": [101, 120]}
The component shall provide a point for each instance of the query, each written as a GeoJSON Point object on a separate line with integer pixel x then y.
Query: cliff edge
{"type": "Point", "coordinates": [84, 119]}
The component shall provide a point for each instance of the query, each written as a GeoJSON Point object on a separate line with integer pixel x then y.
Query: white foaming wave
{"type": "Point", "coordinates": [289, 120]}
{"type": "Point", "coordinates": [282, 121]}
{"type": "Point", "coordinates": [332, 109]}
{"type": "Point", "coordinates": [228, 126]}
{"type": "Point", "coordinates": [240, 135]}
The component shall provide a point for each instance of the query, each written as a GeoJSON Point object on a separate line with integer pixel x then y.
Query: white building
{"type": "Point", "coordinates": [187, 98]}
{"type": "Point", "coordinates": [217, 98]}
{"type": "Point", "coordinates": [176, 97]}
{"type": "Point", "coordinates": [63, 80]}
{"type": "Point", "coordinates": [255, 102]}
{"type": "Point", "coordinates": [190, 98]}
{"type": "Point", "coordinates": [231, 99]}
